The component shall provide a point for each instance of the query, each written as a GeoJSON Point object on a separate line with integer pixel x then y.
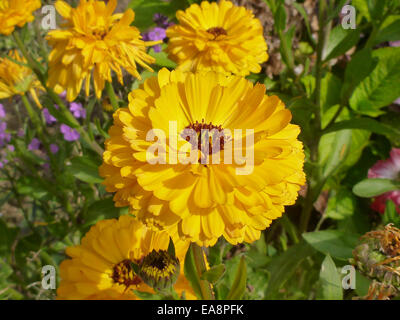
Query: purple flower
{"type": "Point", "coordinates": [161, 21]}
{"type": "Point", "coordinates": [157, 34]}
{"type": "Point", "coordinates": [34, 145]}
{"type": "Point", "coordinates": [11, 148]}
{"type": "Point", "coordinates": [20, 133]}
{"type": "Point", "coordinates": [48, 117]}
{"type": "Point", "coordinates": [4, 136]}
{"type": "Point", "coordinates": [394, 43]}
{"type": "Point", "coordinates": [63, 95]}
{"type": "Point", "coordinates": [77, 110]}
{"type": "Point", "coordinates": [54, 148]}
{"type": "Point", "coordinates": [2, 111]}
{"type": "Point", "coordinates": [69, 133]}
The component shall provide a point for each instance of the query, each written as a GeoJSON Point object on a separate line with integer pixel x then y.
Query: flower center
{"type": "Point", "coordinates": [123, 274]}
{"type": "Point", "coordinates": [208, 136]}
{"type": "Point", "coordinates": [100, 33]}
{"type": "Point", "coordinates": [217, 31]}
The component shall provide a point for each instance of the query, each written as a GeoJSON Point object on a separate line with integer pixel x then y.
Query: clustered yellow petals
{"type": "Point", "coordinates": [16, 13]}
{"type": "Point", "coordinates": [195, 201]}
{"type": "Point", "coordinates": [92, 43]}
{"type": "Point", "coordinates": [16, 78]}
{"type": "Point", "coordinates": [220, 37]}
{"type": "Point", "coordinates": [100, 268]}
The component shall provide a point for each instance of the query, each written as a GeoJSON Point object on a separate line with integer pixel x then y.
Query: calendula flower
{"type": "Point", "coordinates": [16, 13]}
{"type": "Point", "coordinates": [16, 78]}
{"type": "Point", "coordinates": [387, 169]}
{"type": "Point", "coordinates": [220, 37]}
{"type": "Point", "coordinates": [91, 43]}
{"type": "Point", "coordinates": [100, 267]}
{"type": "Point", "coordinates": [198, 198]}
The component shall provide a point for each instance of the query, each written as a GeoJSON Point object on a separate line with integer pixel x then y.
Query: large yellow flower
{"type": "Point", "coordinates": [16, 13]}
{"type": "Point", "coordinates": [200, 201]}
{"type": "Point", "coordinates": [220, 37]}
{"type": "Point", "coordinates": [92, 42]}
{"type": "Point", "coordinates": [100, 268]}
{"type": "Point", "coordinates": [16, 78]}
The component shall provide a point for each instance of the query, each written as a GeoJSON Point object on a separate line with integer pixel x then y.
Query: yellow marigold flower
{"type": "Point", "coordinates": [16, 78]}
{"type": "Point", "coordinates": [201, 202]}
{"type": "Point", "coordinates": [100, 267]}
{"type": "Point", "coordinates": [220, 37]}
{"type": "Point", "coordinates": [16, 13]}
{"type": "Point", "coordinates": [92, 42]}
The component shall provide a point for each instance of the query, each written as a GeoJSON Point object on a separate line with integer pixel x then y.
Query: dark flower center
{"type": "Point", "coordinates": [124, 274]}
{"type": "Point", "coordinates": [206, 133]}
{"type": "Point", "coordinates": [217, 31]}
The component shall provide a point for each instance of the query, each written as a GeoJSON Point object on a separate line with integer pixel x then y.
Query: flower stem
{"type": "Point", "coordinates": [314, 186]}
{"type": "Point", "coordinates": [206, 290]}
{"type": "Point", "coordinates": [111, 95]}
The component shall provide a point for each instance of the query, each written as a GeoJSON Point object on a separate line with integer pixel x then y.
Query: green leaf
{"type": "Point", "coordinates": [100, 210]}
{"type": "Point", "coordinates": [365, 124]}
{"type": "Point", "coordinates": [341, 204]}
{"type": "Point", "coordinates": [374, 187]}
{"type": "Point", "coordinates": [330, 91]}
{"type": "Point", "coordinates": [390, 30]}
{"type": "Point", "coordinates": [239, 284]}
{"type": "Point", "coordinates": [286, 47]}
{"type": "Point", "coordinates": [391, 215]}
{"type": "Point", "coordinates": [191, 273]}
{"type": "Point", "coordinates": [282, 267]}
{"type": "Point", "coordinates": [162, 59]}
{"type": "Point", "coordinates": [145, 10]}
{"type": "Point", "coordinates": [340, 41]}
{"type": "Point", "coordinates": [85, 169]}
{"type": "Point", "coordinates": [214, 273]}
{"type": "Point", "coordinates": [360, 66]}
{"type": "Point", "coordinates": [280, 19]}
{"type": "Point", "coordinates": [381, 87]}
{"type": "Point", "coordinates": [333, 242]}
{"type": "Point", "coordinates": [7, 237]}
{"type": "Point", "coordinates": [331, 284]}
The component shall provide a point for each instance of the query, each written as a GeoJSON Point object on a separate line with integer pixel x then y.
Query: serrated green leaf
{"type": "Point", "coordinates": [381, 87]}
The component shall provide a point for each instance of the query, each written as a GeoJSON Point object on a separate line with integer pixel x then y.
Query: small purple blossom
{"type": "Point", "coordinates": [162, 21]}
{"type": "Point", "coordinates": [2, 111]}
{"type": "Point", "coordinates": [20, 133]}
{"type": "Point", "coordinates": [63, 95]}
{"type": "Point", "coordinates": [4, 136]}
{"type": "Point", "coordinates": [54, 148]}
{"type": "Point", "coordinates": [48, 117]}
{"type": "Point", "coordinates": [155, 34]}
{"type": "Point", "coordinates": [11, 148]}
{"type": "Point", "coordinates": [394, 43]}
{"type": "Point", "coordinates": [77, 110]}
{"type": "Point", "coordinates": [69, 133]}
{"type": "Point", "coordinates": [34, 145]}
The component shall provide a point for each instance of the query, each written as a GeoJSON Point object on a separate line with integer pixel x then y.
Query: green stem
{"type": "Point", "coordinates": [32, 115]}
{"type": "Point", "coordinates": [314, 176]}
{"type": "Point", "coordinates": [206, 290]}
{"type": "Point", "coordinates": [112, 95]}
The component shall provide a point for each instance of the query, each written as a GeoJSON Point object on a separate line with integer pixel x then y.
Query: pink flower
{"type": "Point", "coordinates": [387, 169]}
